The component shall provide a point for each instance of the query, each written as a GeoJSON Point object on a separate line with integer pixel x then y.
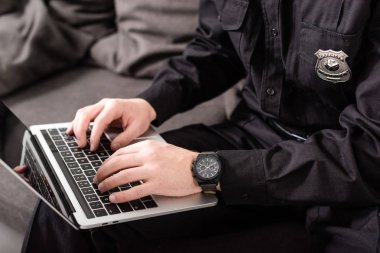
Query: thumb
{"type": "Point", "coordinates": [127, 136]}
{"type": "Point", "coordinates": [20, 169]}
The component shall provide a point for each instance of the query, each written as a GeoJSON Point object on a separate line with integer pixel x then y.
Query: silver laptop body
{"type": "Point", "coordinates": [51, 180]}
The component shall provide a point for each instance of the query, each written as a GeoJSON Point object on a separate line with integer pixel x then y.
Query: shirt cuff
{"type": "Point", "coordinates": [163, 100]}
{"type": "Point", "coordinates": [243, 179]}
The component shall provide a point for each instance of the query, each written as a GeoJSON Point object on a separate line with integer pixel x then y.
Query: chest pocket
{"type": "Point", "coordinates": [312, 39]}
{"type": "Point", "coordinates": [234, 15]}
{"type": "Point", "coordinates": [325, 28]}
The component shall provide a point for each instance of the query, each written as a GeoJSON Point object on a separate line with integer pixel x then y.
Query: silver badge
{"type": "Point", "coordinates": [332, 66]}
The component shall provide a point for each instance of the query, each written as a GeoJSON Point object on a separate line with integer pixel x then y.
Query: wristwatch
{"type": "Point", "coordinates": [206, 170]}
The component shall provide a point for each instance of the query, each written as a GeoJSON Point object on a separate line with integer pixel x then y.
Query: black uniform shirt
{"type": "Point", "coordinates": [272, 43]}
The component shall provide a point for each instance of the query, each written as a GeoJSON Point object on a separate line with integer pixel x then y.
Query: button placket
{"type": "Point", "coordinates": [273, 70]}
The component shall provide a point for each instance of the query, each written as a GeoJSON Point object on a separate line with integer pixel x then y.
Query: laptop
{"type": "Point", "coordinates": [60, 174]}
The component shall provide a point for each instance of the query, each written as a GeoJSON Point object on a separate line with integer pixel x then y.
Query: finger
{"type": "Point", "coordinates": [20, 169]}
{"type": "Point", "coordinates": [131, 149]}
{"type": "Point", "coordinates": [82, 121]}
{"type": "Point", "coordinates": [105, 117]}
{"type": "Point", "coordinates": [136, 192]}
{"type": "Point", "coordinates": [131, 132]}
{"type": "Point", "coordinates": [123, 177]}
{"type": "Point", "coordinates": [70, 128]}
{"type": "Point", "coordinates": [115, 165]}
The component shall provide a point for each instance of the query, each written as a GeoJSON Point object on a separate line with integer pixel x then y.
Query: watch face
{"type": "Point", "coordinates": [207, 167]}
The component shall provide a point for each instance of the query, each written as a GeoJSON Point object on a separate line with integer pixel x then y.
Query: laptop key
{"type": "Point", "coordinates": [78, 155]}
{"type": "Point", "coordinates": [102, 153]}
{"type": "Point", "coordinates": [69, 138]}
{"type": "Point", "coordinates": [65, 153]}
{"type": "Point", "coordinates": [147, 198]}
{"type": "Point", "coordinates": [82, 160]}
{"type": "Point", "coordinates": [83, 184]}
{"type": "Point", "coordinates": [135, 183]}
{"type": "Point", "coordinates": [86, 166]}
{"type": "Point", "coordinates": [90, 178]}
{"type": "Point", "coordinates": [96, 164]}
{"type": "Point", "coordinates": [137, 205]}
{"type": "Point", "coordinates": [100, 212]}
{"type": "Point", "coordinates": [125, 207]}
{"type": "Point", "coordinates": [96, 205]}
{"type": "Point", "coordinates": [93, 158]}
{"type": "Point", "coordinates": [87, 191]}
{"type": "Point", "coordinates": [150, 204]}
{"type": "Point", "coordinates": [91, 198]}
{"type": "Point", "coordinates": [75, 150]}
{"type": "Point", "coordinates": [89, 173]}
{"type": "Point", "coordinates": [72, 165]}
{"type": "Point", "coordinates": [88, 152]}
{"type": "Point", "coordinates": [105, 199]}
{"type": "Point", "coordinates": [104, 139]}
{"type": "Point", "coordinates": [100, 148]}
{"type": "Point", "coordinates": [125, 187]}
{"type": "Point", "coordinates": [60, 143]}
{"type": "Point", "coordinates": [53, 132]}
{"type": "Point", "coordinates": [106, 146]}
{"type": "Point", "coordinates": [62, 129]}
{"type": "Point", "coordinates": [63, 148]}
{"type": "Point", "coordinates": [76, 171]}
{"type": "Point", "coordinates": [116, 189]}
{"type": "Point", "coordinates": [73, 145]}
{"type": "Point", "coordinates": [112, 208]}
{"type": "Point", "coordinates": [100, 194]}
{"type": "Point", "coordinates": [69, 159]}
{"type": "Point", "coordinates": [79, 177]}
{"type": "Point", "coordinates": [56, 138]}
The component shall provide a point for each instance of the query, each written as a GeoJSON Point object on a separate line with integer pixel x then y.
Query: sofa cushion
{"type": "Point", "coordinates": [33, 45]}
{"type": "Point", "coordinates": [58, 98]}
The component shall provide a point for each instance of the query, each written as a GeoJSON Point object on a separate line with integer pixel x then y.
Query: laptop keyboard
{"type": "Point", "coordinates": [38, 180]}
{"type": "Point", "coordinates": [83, 165]}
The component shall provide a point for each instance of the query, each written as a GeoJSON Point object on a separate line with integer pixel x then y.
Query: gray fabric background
{"type": "Point", "coordinates": [40, 38]}
{"type": "Point", "coordinates": [148, 32]}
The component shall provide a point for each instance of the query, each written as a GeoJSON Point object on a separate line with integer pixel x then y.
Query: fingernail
{"type": "Point", "coordinates": [100, 187]}
{"type": "Point", "coordinates": [112, 198]}
{"type": "Point", "coordinates": [115, 146]}
{"type": "Point", "coordinates": [95, 180]}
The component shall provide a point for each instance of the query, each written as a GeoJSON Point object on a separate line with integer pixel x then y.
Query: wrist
{"type": "Point", "coordinates": [151, 111]}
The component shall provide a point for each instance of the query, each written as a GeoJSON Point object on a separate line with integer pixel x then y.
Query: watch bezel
{"type": "Point", "coordinates": [209, 179]}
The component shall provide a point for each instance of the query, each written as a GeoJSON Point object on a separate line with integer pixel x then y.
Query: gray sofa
{"type": "Point", "coordinates": [56, 99]}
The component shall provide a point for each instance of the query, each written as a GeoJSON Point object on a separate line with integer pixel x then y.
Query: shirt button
{"type": "Point", "coordinates": [274, 32]}
{"type": "Point", "coordinates": [270, 91]}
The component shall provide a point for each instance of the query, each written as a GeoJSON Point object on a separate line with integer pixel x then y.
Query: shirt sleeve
{"type": "Point", "coordinates": [208, 66]}
{"type": "Point", "coordinates": [332, 167]}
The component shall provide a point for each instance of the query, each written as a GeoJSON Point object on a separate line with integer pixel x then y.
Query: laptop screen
{"type": "Point", "coordinates": [14, 153]}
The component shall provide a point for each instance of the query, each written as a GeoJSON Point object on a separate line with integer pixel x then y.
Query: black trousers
{"type": "Point", "coordinates": [217, 229]}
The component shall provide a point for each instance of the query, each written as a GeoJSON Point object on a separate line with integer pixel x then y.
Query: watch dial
{"type": "Point", "coordinates": [207, 167]}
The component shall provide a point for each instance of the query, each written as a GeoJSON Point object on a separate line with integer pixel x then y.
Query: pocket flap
{"type": "Point", "coordinates": [233, 14]}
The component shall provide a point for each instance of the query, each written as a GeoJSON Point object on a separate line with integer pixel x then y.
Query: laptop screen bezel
{"type": "Point", "coordinates": [11, 121]}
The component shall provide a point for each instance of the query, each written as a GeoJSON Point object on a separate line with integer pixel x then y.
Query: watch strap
{"type": "Point", "coordinates": [209, 188]}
